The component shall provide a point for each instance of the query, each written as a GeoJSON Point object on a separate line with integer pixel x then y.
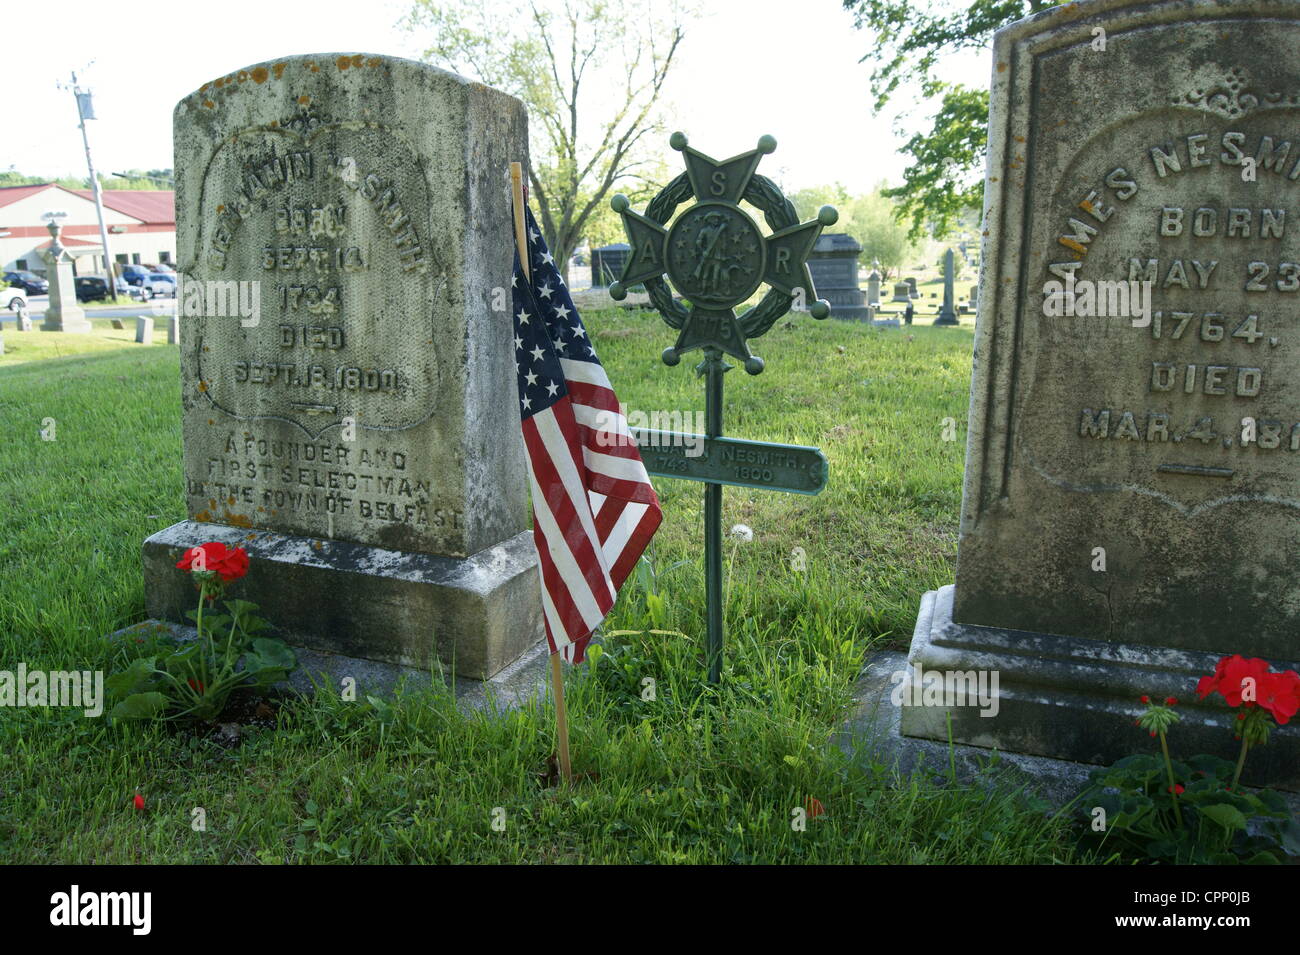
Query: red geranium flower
{"type": "Point", "coordinates": [1279, 693]}
{"type": "Point", "coordinates": [1177, 789]}
{"type": "Point", "coordinates": [813, 807]}
{"type": "Point", "coordinates": [139, 801]}
{"type": "Point", "coordinates": [215, 556]}
{"type": "Point", "coordinates": [1229, 679]}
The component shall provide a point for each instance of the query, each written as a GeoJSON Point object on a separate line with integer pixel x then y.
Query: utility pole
{"type": "Point", "coordinates": [85, 111]}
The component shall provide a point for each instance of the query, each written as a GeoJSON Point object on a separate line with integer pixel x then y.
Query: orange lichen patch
{"type": "Point", "coordinates": [221, 82]}
{"type": "Point", "coordinates": [1020, 139]}
{"type": "Point", "coordinates": [1079, 250]}
{"type": "Point", "coordinates": [221, 208]}
{"type": "Point", "coordinates": [275, 123]}
{"type": "Point", "coordinates": [243, 76]}
{"type": "Point", "coordinates": [1002, 67]}
{"type": "Point", "coordinates": [319, 545]}
{"type": "Point", "coordinates": [304, 100]}
{"type": "Point", "coordinates": [311, 65]}
{"type": "Point", "coordinates": [210, 421]}
{"type": "Point", "coordinates": [203, 517]}
{"type": "Point", "coordinates": [1085, 205]}
{"type": "Point", "coordinates": [204, 87]}
{"type": "Point", "coordinates": [278, 70]}
{"type": "Point", "coordinates": [203, 385]}
{"type": "Point", "coordinates": [260, 74]}
{"type": "Point", "coordinates": [374, 61]}
{"type": "Point", "coordinates": [236, 520]}
{"type": "Point", "coordinates": [343, 62]}
{"type": "Point", "coordinates": [212, 502]}
{"type": "Point", "coordinates": [208, 103]}
{"type": "Point", "coordinates": [230, 501]}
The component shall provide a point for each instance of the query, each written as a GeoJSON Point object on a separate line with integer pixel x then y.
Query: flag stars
{"type": "Point", "coordinates": [552, 389]}
{"type": "Point", "coordinates": [545, 291]}
{"type": "Point", "coordinates": [531, 378]}
{"type": "Point", "coordinates": [578, 331]}
{"type": "Point", "coordinates": [523, 318]}
{"type": "Point", "coordinates": [547, 258]}
{"type": "Point", "coordinates": [533, 235]}
{"type": "Point", "coordinates": [526, 402]}
{"type": "Point", "coordinates": [519, 343]}
{"type": "Point", "coordinates": [561, 312]}
{"type": "Point", "coordinates": [537, 353]}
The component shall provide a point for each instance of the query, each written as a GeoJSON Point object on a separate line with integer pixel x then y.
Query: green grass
{"type": "Point", "coordinates": [693, 776]}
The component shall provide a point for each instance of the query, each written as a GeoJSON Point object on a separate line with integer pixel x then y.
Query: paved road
{"type": "Point", "coordinates": [158, 308]}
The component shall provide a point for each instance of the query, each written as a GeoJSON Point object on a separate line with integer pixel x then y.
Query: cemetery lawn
{"type": "Point", "coordinates": [692, 776]}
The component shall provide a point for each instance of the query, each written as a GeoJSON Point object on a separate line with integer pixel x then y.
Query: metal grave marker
{"type": "Point", "coordinates": [716, 257]}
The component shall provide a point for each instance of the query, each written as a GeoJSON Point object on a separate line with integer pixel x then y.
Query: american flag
{"type": "Point", "coordinates": [594, 509]}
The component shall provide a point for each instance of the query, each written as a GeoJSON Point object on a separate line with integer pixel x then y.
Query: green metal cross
{"type": "Point", "coordinates": [716, 257]}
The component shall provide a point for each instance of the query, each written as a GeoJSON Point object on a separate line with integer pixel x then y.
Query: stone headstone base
{"type": "Point", "coordinates": [476, 614]}
{"type": "Point", "coordinates": [872, 732]}
{"type": "Point", "coordinates": [69, 321]}
{"type": "Point", "coordinates": [1076, 699]}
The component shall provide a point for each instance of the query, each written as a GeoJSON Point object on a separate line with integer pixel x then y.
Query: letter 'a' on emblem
{"type": "Point", "coordinates": [716, 256]}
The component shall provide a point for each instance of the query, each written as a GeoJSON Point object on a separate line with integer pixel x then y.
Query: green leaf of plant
{"type": "Point", "coordinates": [140, 706]}
{"type": "Point", "coordinates": [1229, 817]}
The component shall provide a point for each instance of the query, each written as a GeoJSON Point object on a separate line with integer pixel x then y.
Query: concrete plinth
{"type": "Point", "coordinates": [478, 614]}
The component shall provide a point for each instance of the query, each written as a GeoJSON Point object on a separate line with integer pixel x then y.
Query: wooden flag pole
{"type": "Point", "coordinates": [557, 670]}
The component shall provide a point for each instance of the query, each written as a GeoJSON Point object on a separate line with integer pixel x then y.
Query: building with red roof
{"type": "Point", "coordinates": [141, 226]}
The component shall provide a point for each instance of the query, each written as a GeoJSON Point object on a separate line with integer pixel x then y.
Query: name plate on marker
{"type": "Point", "coordinates": [693, 457]}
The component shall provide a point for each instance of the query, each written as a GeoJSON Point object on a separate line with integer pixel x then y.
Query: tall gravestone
{"type": "Point", "coordinates": [834, 267]}
{"type": "Point", "coordinates": [947, 314]}
{"type": "Point", "coordinates": [63, 313]}
{"type": "Point", "coordinates": [348, 390]}
{"type": "Point", "coordinates": [873, 287]}
{"type": "Point", "coordinates": [1131, 500]}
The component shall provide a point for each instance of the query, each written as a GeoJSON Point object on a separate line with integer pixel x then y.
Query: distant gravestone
{"type": "Point", "coordinates": [873, 287]}
{"type": "Point", "coordinates": [117, 323]}
{"type": "Point", "coordinates": [947, 314]}
{"type": "Point", "coordinates": [23, 319]}
{"type": "Point", "coordinates": [607, 263]}
{"type": "Point", "coordinates": [144, 330]}
{"type": "Point", "coordinates": [1132, 477]}
{"type": "Point", "coordinates": [974, 295]}
{"type": "Point", "coordinates": [911, 287]}
{"type": "Point", "coordinates": [902, 293]}
{"type": "Point", "coordinates": [348, 391]}
{"type": "Point", "coordinates": [62, 313]}
{"type": "Point", "coordinates": [173, 330]}
{"type": "Point", "coordinates": [834, 267]}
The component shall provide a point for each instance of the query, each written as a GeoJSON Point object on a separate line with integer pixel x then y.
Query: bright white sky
{"type": "Point", "coordinates": [798, 58]}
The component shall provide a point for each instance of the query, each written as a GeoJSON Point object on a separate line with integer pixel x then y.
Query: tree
{"type": "Point", "coordinates": [945, 176]}
{"type": "Point", "coordinates": [551, 54]}
{"type": "Point", "coordinates": [871, 219]}
{"type": "Point", "coordinates": [874, 221]}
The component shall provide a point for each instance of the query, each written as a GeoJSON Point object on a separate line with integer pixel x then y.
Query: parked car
{"type": "Point", "coordinates": [29, 282]}
{"type": "Point", "coordinates": [12, 297]}
{"type": "Point", "coordinates": [135, 274]}
{"type": "Point", "coordinates": [94, 288]}
{"type": "Point", "coordinates": [160, 285]}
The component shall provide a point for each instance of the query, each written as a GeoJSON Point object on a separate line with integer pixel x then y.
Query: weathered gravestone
{"type": "Point", "coordinates": [607, 263]}
{"type": "Point", "coordinates": [348, 391]}
{"type": "Point", "coordinates": [63, 313]}
{"type": "Point", "coordinates": [911, 286]}
{"type": "Point", "coordinates": [144, 330]}
{"type": "Point", "coordinates": [902, 293]}
{"type": "Point", "coordinates": [873, 286]}
{"type": "Point", "coordinates": [947, 315]}
{"type": "Point", "coordinates": [834, 267]}
{"type": "Point", "coordinates": [1131, 502]}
